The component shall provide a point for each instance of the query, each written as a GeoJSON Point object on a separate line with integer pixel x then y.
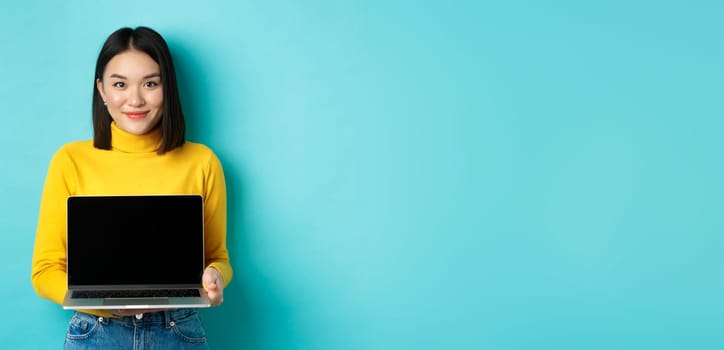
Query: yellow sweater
{"type": "Point", "coordinates": [130, 167]}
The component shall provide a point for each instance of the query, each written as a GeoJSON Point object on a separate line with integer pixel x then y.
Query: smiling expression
{"type": "Point", "coordinates": [133, 91]}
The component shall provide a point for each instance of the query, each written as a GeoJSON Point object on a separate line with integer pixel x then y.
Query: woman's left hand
{"type": "Point", "coordinates": [214, 285]}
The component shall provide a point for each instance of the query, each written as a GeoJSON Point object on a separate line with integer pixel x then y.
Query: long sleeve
{"type": "Point", "coordinates": [132, 167]}
{"type": "Point", "coordinates": [217, 255]}
{"type": "Point", "coordinates": [49, 274]}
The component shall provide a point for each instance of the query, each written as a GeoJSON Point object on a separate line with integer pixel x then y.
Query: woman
{"type": "Point", "coordinates": [138, 147]}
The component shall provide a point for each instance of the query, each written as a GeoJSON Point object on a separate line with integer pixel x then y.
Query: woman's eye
{"type": "Point", "coordinates": [119, 84]}
{"type": "Point", "coordinates": [151, 84]}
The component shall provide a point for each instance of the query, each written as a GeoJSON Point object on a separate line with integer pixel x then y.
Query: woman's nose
{"type": "Point", "coordinates": [135, 98]}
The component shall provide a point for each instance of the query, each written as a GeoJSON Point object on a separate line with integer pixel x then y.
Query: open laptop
{"type": "Point", "coordinates": [135, 252]}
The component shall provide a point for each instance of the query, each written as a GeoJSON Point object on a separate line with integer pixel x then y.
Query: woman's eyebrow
{"type": "Point", "coordinates": [152, 75]}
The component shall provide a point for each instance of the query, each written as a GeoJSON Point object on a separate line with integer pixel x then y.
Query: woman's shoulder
{"type": "Point", "coordinates": [78, 145]}
{"type": "Point", "coordinates": [70, 152]}
{"type": "Point", "coordinates": [75, 147]}
{"type": "Point", "coordinates": [198, 149]}
{"type": "Point", "coordinates": [198, 152]}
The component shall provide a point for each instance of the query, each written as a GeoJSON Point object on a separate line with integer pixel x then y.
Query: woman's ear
{"type": "Point", "coordinates": [99, 86]}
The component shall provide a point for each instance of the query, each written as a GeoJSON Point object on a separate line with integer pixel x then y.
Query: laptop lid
{"type": "Point", "coordinates": [135, 242]}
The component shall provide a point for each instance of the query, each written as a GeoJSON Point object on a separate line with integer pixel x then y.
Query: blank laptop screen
{"type": "Point", "coordinates": [128, 240]}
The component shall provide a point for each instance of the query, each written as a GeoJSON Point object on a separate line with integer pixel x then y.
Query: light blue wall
{"type": "Point", "coordinates": [414, 174]}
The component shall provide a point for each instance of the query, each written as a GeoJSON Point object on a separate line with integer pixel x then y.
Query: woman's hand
{"type": "Point", "coordinates": [214, 285]}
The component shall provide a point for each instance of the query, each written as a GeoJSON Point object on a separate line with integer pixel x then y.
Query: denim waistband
{"type": "Point", "coordinates": [165, 318]}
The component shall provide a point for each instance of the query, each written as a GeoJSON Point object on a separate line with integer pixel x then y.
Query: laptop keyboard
{"type": "Point", "coordinates": [152, 293]}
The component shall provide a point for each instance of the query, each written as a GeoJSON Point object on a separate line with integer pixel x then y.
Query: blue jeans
{"type": "Point", "coordinates": [173, 329]}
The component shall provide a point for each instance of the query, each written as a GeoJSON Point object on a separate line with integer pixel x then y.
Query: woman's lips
{"type": "Point", "coordinates": [135, 115]}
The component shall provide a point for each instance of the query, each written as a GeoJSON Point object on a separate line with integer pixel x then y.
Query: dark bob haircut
{"type": "Point", "coordinates": [172, 124]}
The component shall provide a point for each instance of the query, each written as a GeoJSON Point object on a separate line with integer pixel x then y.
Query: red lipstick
{"type": "Point", "coordinates": [136, 115]}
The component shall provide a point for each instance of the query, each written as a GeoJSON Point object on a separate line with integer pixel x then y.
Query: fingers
{"type": "Point", "coordinates": [216, 296]}
{"type": "Point", "coordinates": [209, 279]}
{"type": "Point", "coordinates": [213, 286]}
{"type": "Point", "coordinates": [211, 276]}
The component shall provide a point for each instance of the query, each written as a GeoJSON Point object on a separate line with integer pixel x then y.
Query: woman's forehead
{"type": "Point", "coordinates": [132, 64]}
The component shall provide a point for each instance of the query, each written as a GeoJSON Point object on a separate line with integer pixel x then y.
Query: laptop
{"type": "Point", "coordinates": [135, 252]}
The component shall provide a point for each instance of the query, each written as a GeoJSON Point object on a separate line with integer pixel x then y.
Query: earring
{"type": "Point", "coordinates": [105, 103]}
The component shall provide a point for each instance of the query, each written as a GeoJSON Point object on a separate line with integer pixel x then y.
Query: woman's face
{"type": "Point", "coordinates": [133, 91]}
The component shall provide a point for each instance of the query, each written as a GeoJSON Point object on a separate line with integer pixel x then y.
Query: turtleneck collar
{"type": "Point", "coordinates": [130, 143]}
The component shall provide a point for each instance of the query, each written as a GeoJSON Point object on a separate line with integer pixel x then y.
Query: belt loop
{"type": "Point", "coordinates": [167, 319]}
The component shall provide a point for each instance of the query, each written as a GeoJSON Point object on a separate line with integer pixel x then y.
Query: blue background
{"type": "Point", "coordinates": [414, 174]}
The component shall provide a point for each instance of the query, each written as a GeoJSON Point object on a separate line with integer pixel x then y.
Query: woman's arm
{"type": "Point", "coordinates": [217, 255]}
{"type": "Point", "coordinates": [49, 274]}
